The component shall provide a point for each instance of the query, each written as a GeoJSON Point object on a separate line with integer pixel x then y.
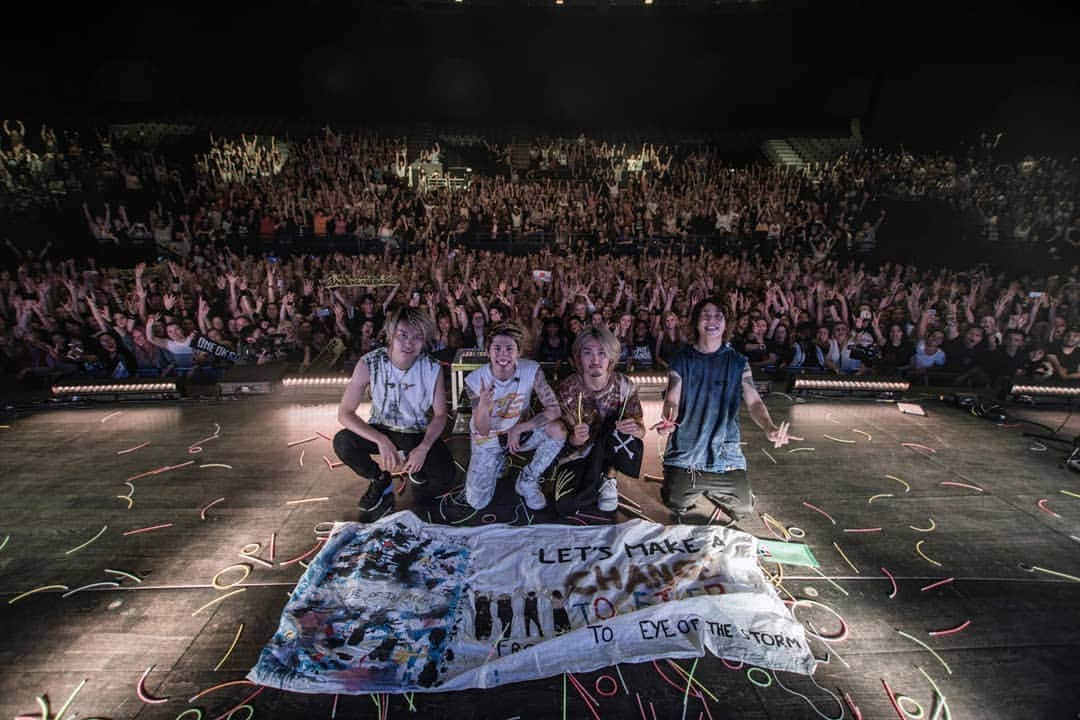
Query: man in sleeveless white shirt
{"type": "Point", "coordinates": [500, 392]}
{"type": "Point", "coordinates": [406, 385]}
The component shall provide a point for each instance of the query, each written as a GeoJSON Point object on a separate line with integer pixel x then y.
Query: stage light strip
{"type": "Point", "coordinates": [126, 388]}
{"type": "Point", "coordinates": [1056, 390]}
{"type": "Point", "coordinates": [648, 379]}
{"type": "Point", "coordinates": [338, 380]}
{"type": "Point", "coordinates": [802, 383]}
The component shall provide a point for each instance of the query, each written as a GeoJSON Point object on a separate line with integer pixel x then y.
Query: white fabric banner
{"type": "Point", "coordinates": [401, 605]}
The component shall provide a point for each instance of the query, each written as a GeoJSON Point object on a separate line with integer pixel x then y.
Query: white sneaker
{"type": "Point", "coordinates": [530, 490]}
{"type": "Point", "coordinates": [609, 495]}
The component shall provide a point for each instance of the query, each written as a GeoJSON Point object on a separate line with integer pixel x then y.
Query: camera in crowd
{"type": "Point", "coordinates": [865, 354]}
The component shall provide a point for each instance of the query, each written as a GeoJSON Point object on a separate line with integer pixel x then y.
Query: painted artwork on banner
{"type": "Point", "coordinates": [404, 606]}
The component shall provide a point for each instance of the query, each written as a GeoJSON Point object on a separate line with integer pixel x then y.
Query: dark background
{"type": "Point", "coordinates": [918, 73]}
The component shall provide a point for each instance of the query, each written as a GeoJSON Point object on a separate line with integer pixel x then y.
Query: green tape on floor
{"type": "Point", "coordinates": [788, 553]}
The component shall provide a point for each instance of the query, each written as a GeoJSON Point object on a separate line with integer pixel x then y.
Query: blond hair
{"type": "Point", "coordinates": [602, 335]}
{"type": "Point", "coordinates": [412, 317]}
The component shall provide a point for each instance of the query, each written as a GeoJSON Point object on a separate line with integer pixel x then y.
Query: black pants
{"type": "Point", "coordinates": [682, 489]}
{"type": "Point", "coordinates": [624, 453]}
{"type": "Point", "coordinates": [436, 476]}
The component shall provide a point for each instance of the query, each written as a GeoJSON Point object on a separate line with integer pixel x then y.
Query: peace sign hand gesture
{"type": "Point", "coordinates": [780, 436]}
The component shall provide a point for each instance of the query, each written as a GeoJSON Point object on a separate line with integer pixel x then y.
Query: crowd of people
{"type": "Point", "coordinates": [787, 252]}
{"type": "Point", "coordinates": [785, 313]}
{"type": "Point", "coordinates": [1031, 202]}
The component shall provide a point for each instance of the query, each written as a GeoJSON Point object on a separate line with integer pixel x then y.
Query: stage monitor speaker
{"type": "Point", "coordinates": [251, 379]}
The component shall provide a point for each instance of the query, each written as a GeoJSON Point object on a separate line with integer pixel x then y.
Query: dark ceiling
{"type": "Point", "coordinates": [909, 70]}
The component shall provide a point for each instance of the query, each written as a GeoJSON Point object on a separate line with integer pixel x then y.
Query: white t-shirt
{"type": "Point", "coordinates": [401, 399]}
{"type": "Point", "coordinates": [512, 395]}
{"type": "Point", "coordinates": [182, 353]}
{"type": "Point", "coordinates": [923, 361]}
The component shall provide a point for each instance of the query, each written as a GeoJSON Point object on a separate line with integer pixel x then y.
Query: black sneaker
{"type": "Point", "coordinates": [377, 492]}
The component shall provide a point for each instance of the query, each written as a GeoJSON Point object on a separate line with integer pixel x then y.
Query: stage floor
{"type": "Point", "coordinates": [62, 475]}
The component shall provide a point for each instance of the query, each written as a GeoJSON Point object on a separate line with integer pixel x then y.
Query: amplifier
{"type": "Point", "coordinates": [251, 379]}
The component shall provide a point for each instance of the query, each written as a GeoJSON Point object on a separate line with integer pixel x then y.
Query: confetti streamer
{"type": "Point", "coordinates": [692, 681]}
{"type": "Point", "coordinates": [801, 449]}
{"type": "Point", "coordinates": [892, 700]}
{"type": "Point", "coordinates": [1069, 493]}
{"type": "Point", "coordinates": [228, 652]}
{"type": "Point", "coordinates": [71, 698]}
{"type": "Point", "coordinates": [140, 446]}
{"type": "Point", "coordinates": [770, 523]}
{"type": "Point", "coordinates": [207, 691]}
{"type": "Point", "coordinates": [928, 649]}
{"type": "Point", "coordinates": [918, 549]}
{"type": "Point", "coordinates": [243, 704]}
{"type": "Point", "coordinates": [950, 631]}
{"type": "Point", "coordinates": [196, 447]}
{"type": "Point", "coordinates": [815, 508]}
{"type": "Point", "coordinates": [204, 508]}
{"type": "Point", "coordinates": [301, 442]}
{"type": "Point", "coordinates": [917, 446]}
{"type": "Point", "coordinates": [939, 583]}
{"type": "Point", "coordinates": [838, 636]}
{"type": "Point", "coordinates": [1043, 506]}
{"type": "Point", "coordinates": [907, 488]}
{"type": "Point", "coordinates": [862, 530]}
{"type": "Point", "coordinates": [302, 451]}
{"type": "Point", "coordinates": [148, 529]}
{"type": "Point", "coordinates": [625, 687]}
{"type": "Point", "coordinates": [121, 573]}
{"type": "Point", "coordinates": [839, 440]}
{"type": "Point", "coordinates": [939, 697]}
{"type": "Point", "coordinates": [633, 511]}
{"type": "Point", "coordinates": [1055, 573]}
{"type": "Point", "coordinates": [43, 703]}
{"type": "Point", "coordinates": [77, 548]}
{"type": "Point", "coordinates": [856, 713]}
{"type": "Point", "coordinates": [850, 564]}
{"type": "Point", "coordinates": [891, 580]}
{"type": "Point", "coordinates": [810, 702]}
{"type": "Point", "coordinates": [140, 690]}
{"type": "Point", "coordinates": [158, 471]}
{"type": "Point", "coordinates": [248, 553]}
{"type": "Point", "coordinates": [218, 599]}
{"type": "Point", "coordinates": [689, 684]}
{"type": "Point", "coordinates": [768, 455]}
{"type": "Point", "coordinates": [950, 483]}
{"type": "Point", "coordinates": [928, 529]}
{"type": "Point", "coordinates": [36, 590]}
{"type": "Point", "coordinates": [107, 583]}
{"type": "Point", "coordinates": [110, 416]}
{"type": "Point", "coordinates": [216, 465]}
{"type": "Point", "coordinates": [869, 437]}
{"type": "Point", "coordinates": [307, 500]}
{"type": "Point", "coordinates": [305, 556]}
{"type": "Point", "coordinates": [872, 498]}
